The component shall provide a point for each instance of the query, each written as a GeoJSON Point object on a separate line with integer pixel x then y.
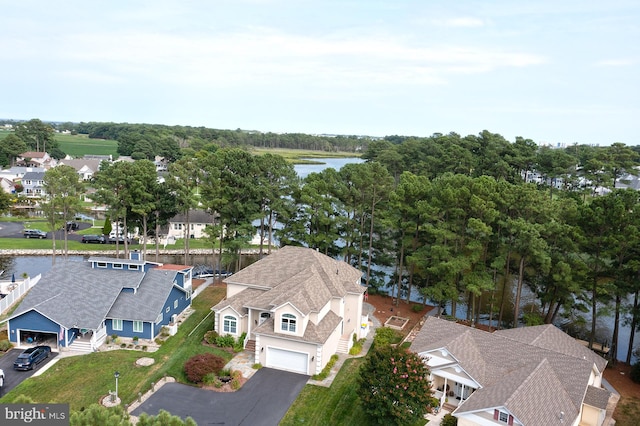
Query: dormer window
{"type": "Point", "coordinates": [288, 323]}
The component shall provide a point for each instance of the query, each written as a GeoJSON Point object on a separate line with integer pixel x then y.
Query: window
{"type": "Point", "coordinates": [134, 267]}
{"type": "Point", "coordinates": [117, 266]}
{"type": "Point", "coordinates": [230, 324]}
{"type": "Point", "coordinates": [116, 324]}
{"type": "Point", "coordinates": [503, 417]}
{"type": "Point", "coordinates": [137, 326]}
{"type": "Point", "coordinates": [101, 264]}
{"type": "Point", "coordinates": [168, 309]}
{"type": "Point", "coordinates": [175, 304]}
{"type": "Point", "coordinates": [288, 323]}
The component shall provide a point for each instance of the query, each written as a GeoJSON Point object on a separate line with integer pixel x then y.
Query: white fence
{"type": "Point", "coordinates": [15, 290]}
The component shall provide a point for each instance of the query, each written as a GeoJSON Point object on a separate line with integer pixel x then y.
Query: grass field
{"type": "Point", "coordinates": [79, 145]}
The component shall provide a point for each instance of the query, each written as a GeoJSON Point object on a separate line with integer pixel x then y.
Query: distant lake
{"type": "Point", "coordinates": [303, 170]}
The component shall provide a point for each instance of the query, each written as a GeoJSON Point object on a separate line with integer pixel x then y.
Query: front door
{"type": "Point", "coordinates": [264, 316]}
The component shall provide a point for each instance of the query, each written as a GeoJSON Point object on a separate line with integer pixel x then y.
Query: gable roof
{"type": "Point", "coordinates": [298, 275]}
{"type": "Point", "coordinates": [33, 154]}
{"type": "Point", "coordinates": [75, 295]}
{"type": "Point", "coordinates": [550, 337]}
{"type": "Point", "coordinates": [78, 164]}
{"type": "Point", "coordinates": [195, 216]}
{"type": "Point", "coordinates": [524, 377]}
{"type": "Point", "coordinates": [33, 176]}
{"type": "Point", "coordinates": [147, 302]}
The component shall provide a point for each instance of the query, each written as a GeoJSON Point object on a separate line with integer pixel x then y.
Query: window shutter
{"type": "Point", "coordinates": [510, 420]}
{"type": "Point", "coordinates": [496, 413]}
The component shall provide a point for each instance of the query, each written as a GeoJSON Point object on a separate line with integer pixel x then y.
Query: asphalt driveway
{"type": "Point", "coordinates": [263, 400]}
{"type": "Point", "coordinates": [12, 377]}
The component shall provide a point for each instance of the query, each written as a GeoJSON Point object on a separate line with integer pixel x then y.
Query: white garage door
{"type": "Point", "coordinates": [287, 360]}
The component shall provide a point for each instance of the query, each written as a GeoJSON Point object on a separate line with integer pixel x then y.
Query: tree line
{"type": "Point", "coordinates": [454, 219]}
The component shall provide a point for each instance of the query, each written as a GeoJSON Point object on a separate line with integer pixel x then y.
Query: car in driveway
{"type": "Point", "coordinates": [34, 233]}
{"type": "Point", "coordinates": [31, 357]}
{"type": "Point", "coordinates": [93, 239]}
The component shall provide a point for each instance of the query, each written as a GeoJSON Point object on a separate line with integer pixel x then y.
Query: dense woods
{"type": "Point", "coordinates": [515, 232]}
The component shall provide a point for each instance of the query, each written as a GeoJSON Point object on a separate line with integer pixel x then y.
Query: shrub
{"type": "Point", "coordinates": [327, 369]}
{"type": "Point", "coordinates": [357, 346]}
{"type": "Point", "coordinates": [226, 341]}
{"type": "Point", "coordinates": [235, 384]}
{"type": "Point", "coordinates": [256, 366]}
{"type": "Point", "coordinates": [236, 374]}
{"type": "Point", "coordinates": [238, 346]}
{"type": "Point", "coordinates": [123, 345]}
{"type": "Point", "coordinates": [211, 336]}
{"type": "Point", "coordinates": [385, 336]}
{"type": "Point", "coordinates": [210, 379]}
{"type": "Point", "coordinates": [224, 373]}
{"type": "Point", "coordinates": [449, 420]}
{"type": "Point", "coordinates": [417, 308]}
{"type": "Point", "coordinates": [198, 366]}
{"type": "Point", "coordinates": [144, 348]}
{"type": "Point", "coordinates": [5, 345]}
{"type": "Point", "coordinates": [135, 339]}
{"type": "Point", "coordinates": [217, 383]}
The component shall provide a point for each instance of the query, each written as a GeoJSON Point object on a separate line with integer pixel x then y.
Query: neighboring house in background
{"type": "Point", "coordinates": [100, 158]}
{"type": "Point", "coordinates": [198, 221]}
{"type": "Point", "coordinates": [79, 304]}
{"type": "Point", "coordinates": [35, 159]}
{"type": "Point", "coordinates": [7, 185]}
{"type": "Point", "coordinates": [161, 164]}
{"type": "Point", "coordinates": [33, 184]}
{"type": "Point", "coordinates": [15, 174]}
{"type": "Point", "coordinates": [522, 376]}
{"type": "Point", "coordinates": [85, 168]}
{"type": "Point", "coordinates": [298, 308]}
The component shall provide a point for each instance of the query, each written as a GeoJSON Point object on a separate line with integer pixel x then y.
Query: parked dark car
{"type": "Point", "coordinates": [119, 238]}
{"type": "Point", "coordinates": [93, 239]}
{"type": "Point", "coordinates": [31, 357]}
{"type": "Point", "coordinates": [34, 233]}
{"type": "Point", "coordinates": [72, 226]}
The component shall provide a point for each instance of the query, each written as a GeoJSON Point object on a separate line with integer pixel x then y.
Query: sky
{"type": "Point", "coordinates": [554, 71]}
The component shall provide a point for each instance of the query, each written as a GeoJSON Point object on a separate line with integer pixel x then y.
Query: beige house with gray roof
{"type": "Point", "coordinates": [522, 376]}
{"type": "Point", "coordinates": [297, 306]}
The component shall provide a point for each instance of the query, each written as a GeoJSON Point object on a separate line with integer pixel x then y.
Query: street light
{"type": "Point", "coordinates": [116, 375]}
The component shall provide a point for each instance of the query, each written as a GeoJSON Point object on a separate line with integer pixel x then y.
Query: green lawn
{"type": "Point", "coordinates": [79, 145]}
{"type": "Point", "coordinates": [337, 405]}
{"type": "Point", "coordinates": [83, 380]}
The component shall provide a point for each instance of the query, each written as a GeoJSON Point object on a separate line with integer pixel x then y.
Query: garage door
{"type": "Point", "coordinates": [287, 360]}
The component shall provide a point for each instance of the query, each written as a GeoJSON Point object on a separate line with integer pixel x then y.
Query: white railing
{"type": "Point", "coordinates": [15, 290]}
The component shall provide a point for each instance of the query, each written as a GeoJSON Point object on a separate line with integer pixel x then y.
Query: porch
{"type": "Point", "coordinates": [450, 392]}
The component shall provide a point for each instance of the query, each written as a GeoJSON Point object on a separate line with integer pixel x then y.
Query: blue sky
{"type": "Point", "coordinates": [560, 71]}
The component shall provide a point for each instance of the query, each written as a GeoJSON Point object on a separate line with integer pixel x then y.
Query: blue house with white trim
{"type": "Point", "coordinates": [84, 302]}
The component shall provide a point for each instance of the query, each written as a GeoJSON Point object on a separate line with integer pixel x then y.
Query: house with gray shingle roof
{"type": "Point", "coordinates": [297, 307]}
{"type": "Point", "coordinates": [84, 302]}
{"type": "Point", "coordinates": [522, 376]}
{"type": "Point", "coordinates": [198, 221]}
{"type": "Point", "coordinates": [33, 184]}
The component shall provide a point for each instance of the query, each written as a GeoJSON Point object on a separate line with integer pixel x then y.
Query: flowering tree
{"type": "Point", "coordinates": [394, 386]}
